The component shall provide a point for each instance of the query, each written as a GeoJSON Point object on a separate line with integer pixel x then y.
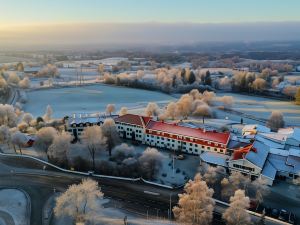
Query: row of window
{"type": "Point", "coordinates": [243, 167]}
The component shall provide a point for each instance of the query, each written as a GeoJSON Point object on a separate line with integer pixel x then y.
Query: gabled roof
{"type": "Point", "coordinates": [197, 133]}
{"type": "Point", "coordinates": [133, 119]}
{"type": "Point", "coordinates": [259, 156]}
{"type": "Point", "coordinates": [214, 158]}
{"type": "Point", "coordinates": [269, 170]}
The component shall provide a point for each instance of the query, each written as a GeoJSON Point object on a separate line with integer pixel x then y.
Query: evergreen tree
{"type": "Point", "coordinates": [192, 78]}
{"type": "Point", "coordinates": [207, 79]}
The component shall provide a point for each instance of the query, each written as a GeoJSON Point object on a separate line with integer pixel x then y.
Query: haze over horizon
{"type": "Point", "coordinates": [56, 24]}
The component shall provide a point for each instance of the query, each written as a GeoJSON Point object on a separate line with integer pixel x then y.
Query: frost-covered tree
{"type": "Point", "coordinates": [261, 189]}
{"type": "Point", "coordinates": [13, 78]}
{"type": "Point", "coordinates": [152, 109]}
{"type": "Point", "coordinates": [259, 84]}
{"type": "Point", "coordinates": [123, 111]}
{"type": "Point", "coordinates": [213, 175]}
{"type": "Point", "coordinates": [122, 152]}
{"type": "Point", "coordinates": [110, 132]}
{"type": "Point", "coordinates": [101, 68]}
{"type": "Point", "coordinates": [236, 214]}
{"type": "Point", "coordinates": [5, 136]}
{"type": "Point", "coordinates": [48, 115]}
{"type": "Point", "coordinates": [44, 138]}
{"type": "Point", "coordinates": [80, 202]}
{"type": "Point", "coordinates": [275, 121]}
{"type": "Point", "coordinates": [150, 162]}
{"type": "Point", "coordinates": [171, 111]}
{"type": "Point", "coordinates": [8, 116]}
{"type": "Point", "coordinates": [94, 140]}
{"type": "Point", "coordinates": [297, 97]}
{"type": "Point", "coordinates": [110, 108]}
{"type": "Point", "coordinates": [25, 83]}
{"type": "Point", "coordinates": [18, 139]}
{"type": "Point", "coordinates": [227, 101]}
{"type": "Point", "coordinates": [196, 205]}
{"type": "Point", "coordinates": [58, 150]}
{"type": "Point", "coordinates": [27, 118]}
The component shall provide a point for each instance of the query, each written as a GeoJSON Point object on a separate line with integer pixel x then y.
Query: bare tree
{"type": "Point", "coordinates": [95, 141]}
{"type": "Point", "coordinates": [18, 139]}
{"type": "Point", "coordinates": [80, 202]}
{"type": "Point", "coordinates": [236, 214]}
{"type": "Point", "coordinates": [275, 121]}
{"type": "Point", "coordinates": [57, 151]}
{"type": "Point", "coordinates": [101, 68]}
{"type": "Point", "coordinates": [123, 111]}
{"type": "Point", "coordinates": [150, 162]}
{"type": "Point", "coordinates": [152, 109]}
{"type": "Point", "coordinates": [196, 205]}
{"type": "Point", "coordinates": [110, 132]}
{"type": "Point", "coordinates": [110, 108]}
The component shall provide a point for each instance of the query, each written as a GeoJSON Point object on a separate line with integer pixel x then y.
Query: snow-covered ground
{"type": "Point", "coordinates": [15, 203]}
{"type": "Point", "coordinates": [86, 99]}
{"type": "Point", "coordinates": [261, 108]}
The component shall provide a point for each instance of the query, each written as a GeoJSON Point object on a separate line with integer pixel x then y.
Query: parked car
{"type": "Point", "coordinates": [180, 157]}
{"type": "Point", "coordinates": [284, 215]}
{"type": "Point", "coordinates": [274, 213]}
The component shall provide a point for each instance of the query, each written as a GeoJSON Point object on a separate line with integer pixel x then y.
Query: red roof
{"type": "Point", "coordinates": [134, 119]}
{"type": "Point", "coordinates": [241, 152]}
{"type": "Point", "coordinates": [197, 133]}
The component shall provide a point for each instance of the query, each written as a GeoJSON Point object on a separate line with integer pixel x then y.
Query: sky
{"type": "Point", "coordinates": [59, 22]}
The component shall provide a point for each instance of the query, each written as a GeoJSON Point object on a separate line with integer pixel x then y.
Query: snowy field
{"type": "Point", "coordinates": [261, 108]}
{"type": "Point", "coordinates": [13, 204]}
{"type": "Point", "coordinates": [85, 99]}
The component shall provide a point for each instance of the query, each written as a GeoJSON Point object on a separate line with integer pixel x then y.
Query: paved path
{"type": "Point", "coordinates": [7, 218]}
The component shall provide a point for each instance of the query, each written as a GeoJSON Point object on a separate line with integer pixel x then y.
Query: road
{"type": "Point", "coordinates": [39, 184]}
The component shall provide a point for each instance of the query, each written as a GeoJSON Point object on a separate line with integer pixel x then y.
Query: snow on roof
{"type": "Point", "coordinates": [257, 127]}
{"type": "Point", "coordinates": [279, 162]}
{"type": "Point", "coordinates": [278, 137]}
{"type": "Point", "coordinates": [88, 118]}
{"type": "Point", "coordinates": [270, 143]}
{"type": "Point", "coordinates": [296, 134]}
{"type": "Point", "coordinates": [259, 156]}
{"type": "Point", "coordinates": [287, 130]}
{"type": "Point", "coordinates": [133, 119]}
{"type": "Point", "coordinates": [214, 158]}
{"type": "Point", "coordinates": [277, 151]}
{"type": "Point", "coordinates": [269, 170]}
{"type": "Point", "coordinates": [197, 133]}
{"type": "Point", "coordinates": [294, 152]}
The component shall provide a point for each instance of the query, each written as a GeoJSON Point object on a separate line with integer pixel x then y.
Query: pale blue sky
{"type": "Point", "coordinates": [137, 11]}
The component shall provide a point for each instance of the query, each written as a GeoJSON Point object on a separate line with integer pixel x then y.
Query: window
{"type": "Point", "coordinates": [216, 149]}
{"type": "Point", "coordinates": [208, 148]}
{"type": "Point", "coordinates": [202, 146]}
{"type": "Point", "coordinates": [221, 150]}
{"type": "Point", "coordinates": [196, 150]}
{"type": "Point", "coordinates": [191, 144]}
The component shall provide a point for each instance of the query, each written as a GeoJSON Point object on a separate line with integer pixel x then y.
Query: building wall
{"type": "Point", "coordinates": [127, 131]}
{"type": "Point", "coordinates": [244, 166]}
